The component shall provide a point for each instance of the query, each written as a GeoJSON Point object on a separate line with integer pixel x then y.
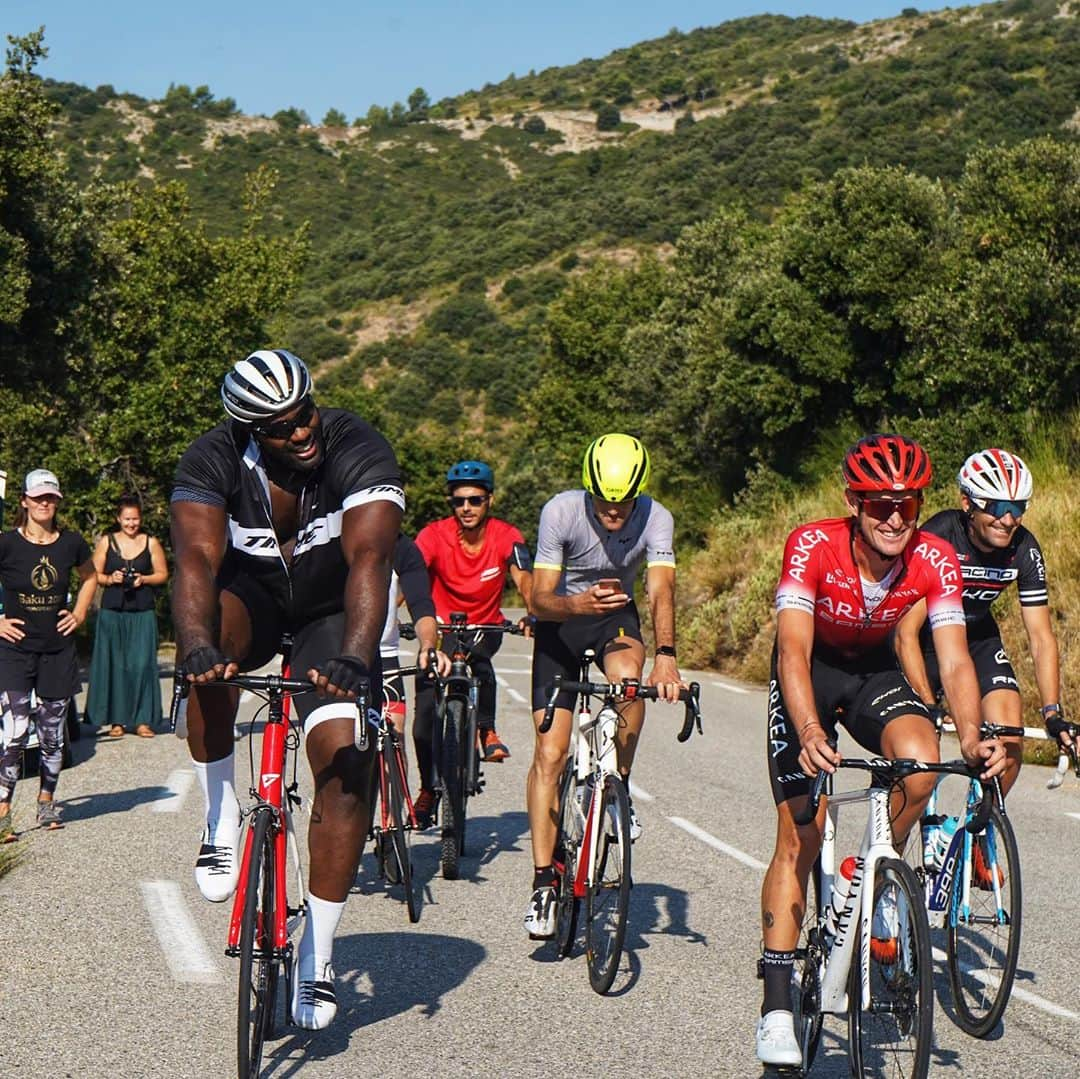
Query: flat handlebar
{"type": "Point", "coordinates": [628, 689]}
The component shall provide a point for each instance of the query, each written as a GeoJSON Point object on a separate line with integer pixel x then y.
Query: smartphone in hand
{"type": "Point", "coordinates": [612, 584]}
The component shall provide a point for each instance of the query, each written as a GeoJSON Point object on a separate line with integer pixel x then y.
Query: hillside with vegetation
{"type": "Point", "coordinates": [747, 243]}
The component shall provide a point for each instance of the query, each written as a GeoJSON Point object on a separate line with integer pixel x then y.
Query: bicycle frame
{"type": "Point", "coordinates": [271, 791]}
{"type": "Point", "coordinates": [877, 843]}
{"type": "Point", "coordinates": [595, 759]}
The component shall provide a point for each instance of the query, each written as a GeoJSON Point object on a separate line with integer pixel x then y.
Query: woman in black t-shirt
{"type": "Point", "coordinates": [124, 688]}
{"type": "Point", "coordinates": [37, 650]}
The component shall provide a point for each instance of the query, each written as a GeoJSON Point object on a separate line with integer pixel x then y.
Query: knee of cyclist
{"type": "Point", "coordinates": [548, 764]}
{"type": "Point", "coordinates": [917, 789]}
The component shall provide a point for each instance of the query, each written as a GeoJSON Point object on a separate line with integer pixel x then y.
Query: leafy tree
{"type": "Point", "coordinates": [607, 118]}
{"type": "Point", "coordinates": [419, 104]}
{"type": "Point", "coordinates": [334, 118]}
{"type": "Point", "coordinates": [534, 125]}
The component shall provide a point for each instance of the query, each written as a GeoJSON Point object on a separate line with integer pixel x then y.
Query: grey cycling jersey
{"type": "Point", "coordinates": [572, 539]}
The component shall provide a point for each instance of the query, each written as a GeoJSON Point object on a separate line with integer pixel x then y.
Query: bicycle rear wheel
{"type": "Point", "coordinates": [806, 984]}
{"type": "Point", "coordinates": [399, 848]}
{"type": "Point", "coordinates": [892, 1037]}
{"type": "Point", "coordinates": [567, 846]}
{"type": "Point", "coordinates": [983, 942]}
{"type": "Point", "coordinates": [453, 801]}
{"type": "Point", "coordinates": [607, 902]}
{"type": "Point", "coordinates": [259, 966]}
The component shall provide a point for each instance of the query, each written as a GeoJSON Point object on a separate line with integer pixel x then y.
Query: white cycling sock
{"type": "Point", "coordinates": [216, 780]}
{"type": "Point", "coordinates": [317, 943]}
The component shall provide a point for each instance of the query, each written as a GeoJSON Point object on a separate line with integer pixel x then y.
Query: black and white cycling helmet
{"type": "Point", "coordinates": [265, 384]}
{"type": "Point", "coordinates": [995, 474]}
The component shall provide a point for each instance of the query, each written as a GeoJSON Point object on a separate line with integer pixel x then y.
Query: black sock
{"type": "Point", "coordinates": [777, 967]}
{"type": "Point", "coordinates": [544, 876]}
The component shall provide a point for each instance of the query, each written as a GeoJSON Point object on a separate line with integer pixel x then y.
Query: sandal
{"type": "Point", "coordinates": [117, 731]}
{"type": "Point", "coordinates": [143, 730]}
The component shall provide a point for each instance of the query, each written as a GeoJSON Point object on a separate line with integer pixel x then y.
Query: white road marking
{"type": "Point", "coordinates": [730, 688]}
{"type": "Point", "coordinates": [717, 844]}
{"type": "Point", "coordinates": [1018, 993]}
{"type": "Point", "coordinates": [514, 695]}
{"type": "Point", "coordinates": [641, 793]}
{"type": "Point", "coordinates": [188, 957]}
{"type": "Point", "coordinates": [177, 785]}
{"type": "Point", "coordinates": [1076, 816]}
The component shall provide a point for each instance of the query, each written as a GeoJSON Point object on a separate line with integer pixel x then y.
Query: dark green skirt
{"type": "Point", "coordinates": [124, 687]}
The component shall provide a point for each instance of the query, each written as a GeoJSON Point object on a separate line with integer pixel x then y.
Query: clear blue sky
{"type": "Point", "coordinates": [270, 55]}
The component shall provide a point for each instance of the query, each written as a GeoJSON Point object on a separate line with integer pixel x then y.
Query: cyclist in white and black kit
{"type": "Point", "coordinates": [994, 550]}
{"type": "Point", "coordinates": [284, 520]}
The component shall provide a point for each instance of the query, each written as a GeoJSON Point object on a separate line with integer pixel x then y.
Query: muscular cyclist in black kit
{"type": "Point", "coordinates": [284, 519]}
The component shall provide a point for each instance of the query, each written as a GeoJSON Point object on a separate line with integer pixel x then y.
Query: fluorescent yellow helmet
{"type": "Point", "coordinates": [616, 468]}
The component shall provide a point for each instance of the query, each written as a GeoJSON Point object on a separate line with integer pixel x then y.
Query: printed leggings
{"type": "Point", "coordinates": [15, 715]}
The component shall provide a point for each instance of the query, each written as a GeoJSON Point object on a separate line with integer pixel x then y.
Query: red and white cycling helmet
{"type": "Point", "coordinates": [995, 474]}
{"type": "Point", "coordinates": [887, 463]}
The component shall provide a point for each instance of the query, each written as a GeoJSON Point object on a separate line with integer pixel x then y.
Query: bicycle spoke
{"type": "Point", "coordinates": [567, 846]}
{"type": "Point", "coordinates": [399, 850]}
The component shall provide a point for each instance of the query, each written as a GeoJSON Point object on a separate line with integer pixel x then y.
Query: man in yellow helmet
{"type": "Point", "coordinates": [591, 545]}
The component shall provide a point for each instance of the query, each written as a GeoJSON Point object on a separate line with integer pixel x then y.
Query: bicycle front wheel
{"type": "Point", "coordinates": [891, 1037]}
{"type": "Point", "coordinates": [984, 937]}
{"type": "Point", "coordinates": [259, 966]}
{"type": "Point", "coordinates": [607, 903]}
{"type": "Point", "coordinates": [399, 849]}
{"type": "Point", "coordinates": [567, 845]}
{"type": "Point", "coordinates": [453, 801]}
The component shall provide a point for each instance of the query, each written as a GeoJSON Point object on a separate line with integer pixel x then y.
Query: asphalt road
{"type": "Point", "coordinates": [113, 964]}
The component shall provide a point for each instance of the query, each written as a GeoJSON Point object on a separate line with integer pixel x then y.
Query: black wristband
{"type": "Point", "coordinates": [666, 650]}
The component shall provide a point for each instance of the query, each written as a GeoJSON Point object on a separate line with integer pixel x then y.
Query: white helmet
{"type": "Point", "coordinates": [995, 474]}
{"type": "Point", "coordinates": [265, 384]}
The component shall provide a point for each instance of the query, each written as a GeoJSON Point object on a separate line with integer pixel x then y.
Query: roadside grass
{"type": "Point", "coordinates": [726, 618]}
{"type": "Point", "coordinates": [11, 854]}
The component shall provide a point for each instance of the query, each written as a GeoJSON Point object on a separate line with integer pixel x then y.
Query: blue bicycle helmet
{"type": "Point", "coordinates": [471, 473]}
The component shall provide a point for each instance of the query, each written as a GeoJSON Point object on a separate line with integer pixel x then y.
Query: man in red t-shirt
{"type": "Point", "coordinates": [468, 555]}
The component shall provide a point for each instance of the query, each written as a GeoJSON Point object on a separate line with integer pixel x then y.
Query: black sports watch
{"type": "Point", "coordinates": [666, 650]}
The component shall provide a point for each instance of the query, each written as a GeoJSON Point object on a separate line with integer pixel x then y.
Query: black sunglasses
{"type": "Point", "coordinates": [457, 501]}
{"type": "Point", "coordinates": [285, 428]}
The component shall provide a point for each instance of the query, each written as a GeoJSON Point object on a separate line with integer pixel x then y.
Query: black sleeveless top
{"type": "Point", "coordinates": [115, 597]}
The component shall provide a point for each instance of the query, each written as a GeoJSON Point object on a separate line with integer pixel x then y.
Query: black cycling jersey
{"type": "Point", "coordinates": [987, 574]}
{"type": "Point", "coordinates": [225, 468]}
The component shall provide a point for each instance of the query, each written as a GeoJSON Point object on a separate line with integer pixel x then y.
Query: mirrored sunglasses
{"type": "Point", "coordinates": [285, 428]}
{"type": "Point", "coordinates": [881, 509]}
{"type": "Point", "coordinates": [999, 507]}
{"type": "Point", "coordinates": [457, 501]}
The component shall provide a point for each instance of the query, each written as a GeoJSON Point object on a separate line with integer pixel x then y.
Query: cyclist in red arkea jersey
{"type": "Point", "coordinates": [844, 585]}
{"type": "Point", "coordinates": [468, 555]}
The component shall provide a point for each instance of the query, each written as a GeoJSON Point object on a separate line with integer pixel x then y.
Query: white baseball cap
{"type": "Point", "coordinates": [42, 482]}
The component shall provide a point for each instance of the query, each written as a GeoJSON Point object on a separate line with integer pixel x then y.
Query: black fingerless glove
{"type": "Point", "coordinates": [1056, 726]}
{"type": "Point", "coordinates": [349, 673]}
{"type": "Point", "coordinates": [203, 660]}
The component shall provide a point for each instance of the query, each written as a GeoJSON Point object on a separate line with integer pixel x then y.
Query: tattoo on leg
{"type": "Point", "coordinates": [767, 918]}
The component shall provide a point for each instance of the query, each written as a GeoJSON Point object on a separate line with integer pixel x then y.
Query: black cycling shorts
{"type": "Point", "coordinates": [992, 667]}
{"type": "Point", "coordinates": [52, 675]}
{"type": "Point", "coordinates": [559, 646]}
{"type": "Point", "coordinates": [863, 701]}
{"type": "Point", "coordinates": [312, 644]}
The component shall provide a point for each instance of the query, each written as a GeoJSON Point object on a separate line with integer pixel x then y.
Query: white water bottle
{"type": "Point", "coordinates": [840, 889]}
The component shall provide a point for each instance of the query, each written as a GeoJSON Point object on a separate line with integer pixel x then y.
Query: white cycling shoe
{"type": "Point", "coordinates": [776, 1042]}
{"type": "Point", "coordinates": [314, 1001]}
{"type": "Point", "coordinates": [540, 917]}
{"type": "Point", "coordinates": [217, 869]}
